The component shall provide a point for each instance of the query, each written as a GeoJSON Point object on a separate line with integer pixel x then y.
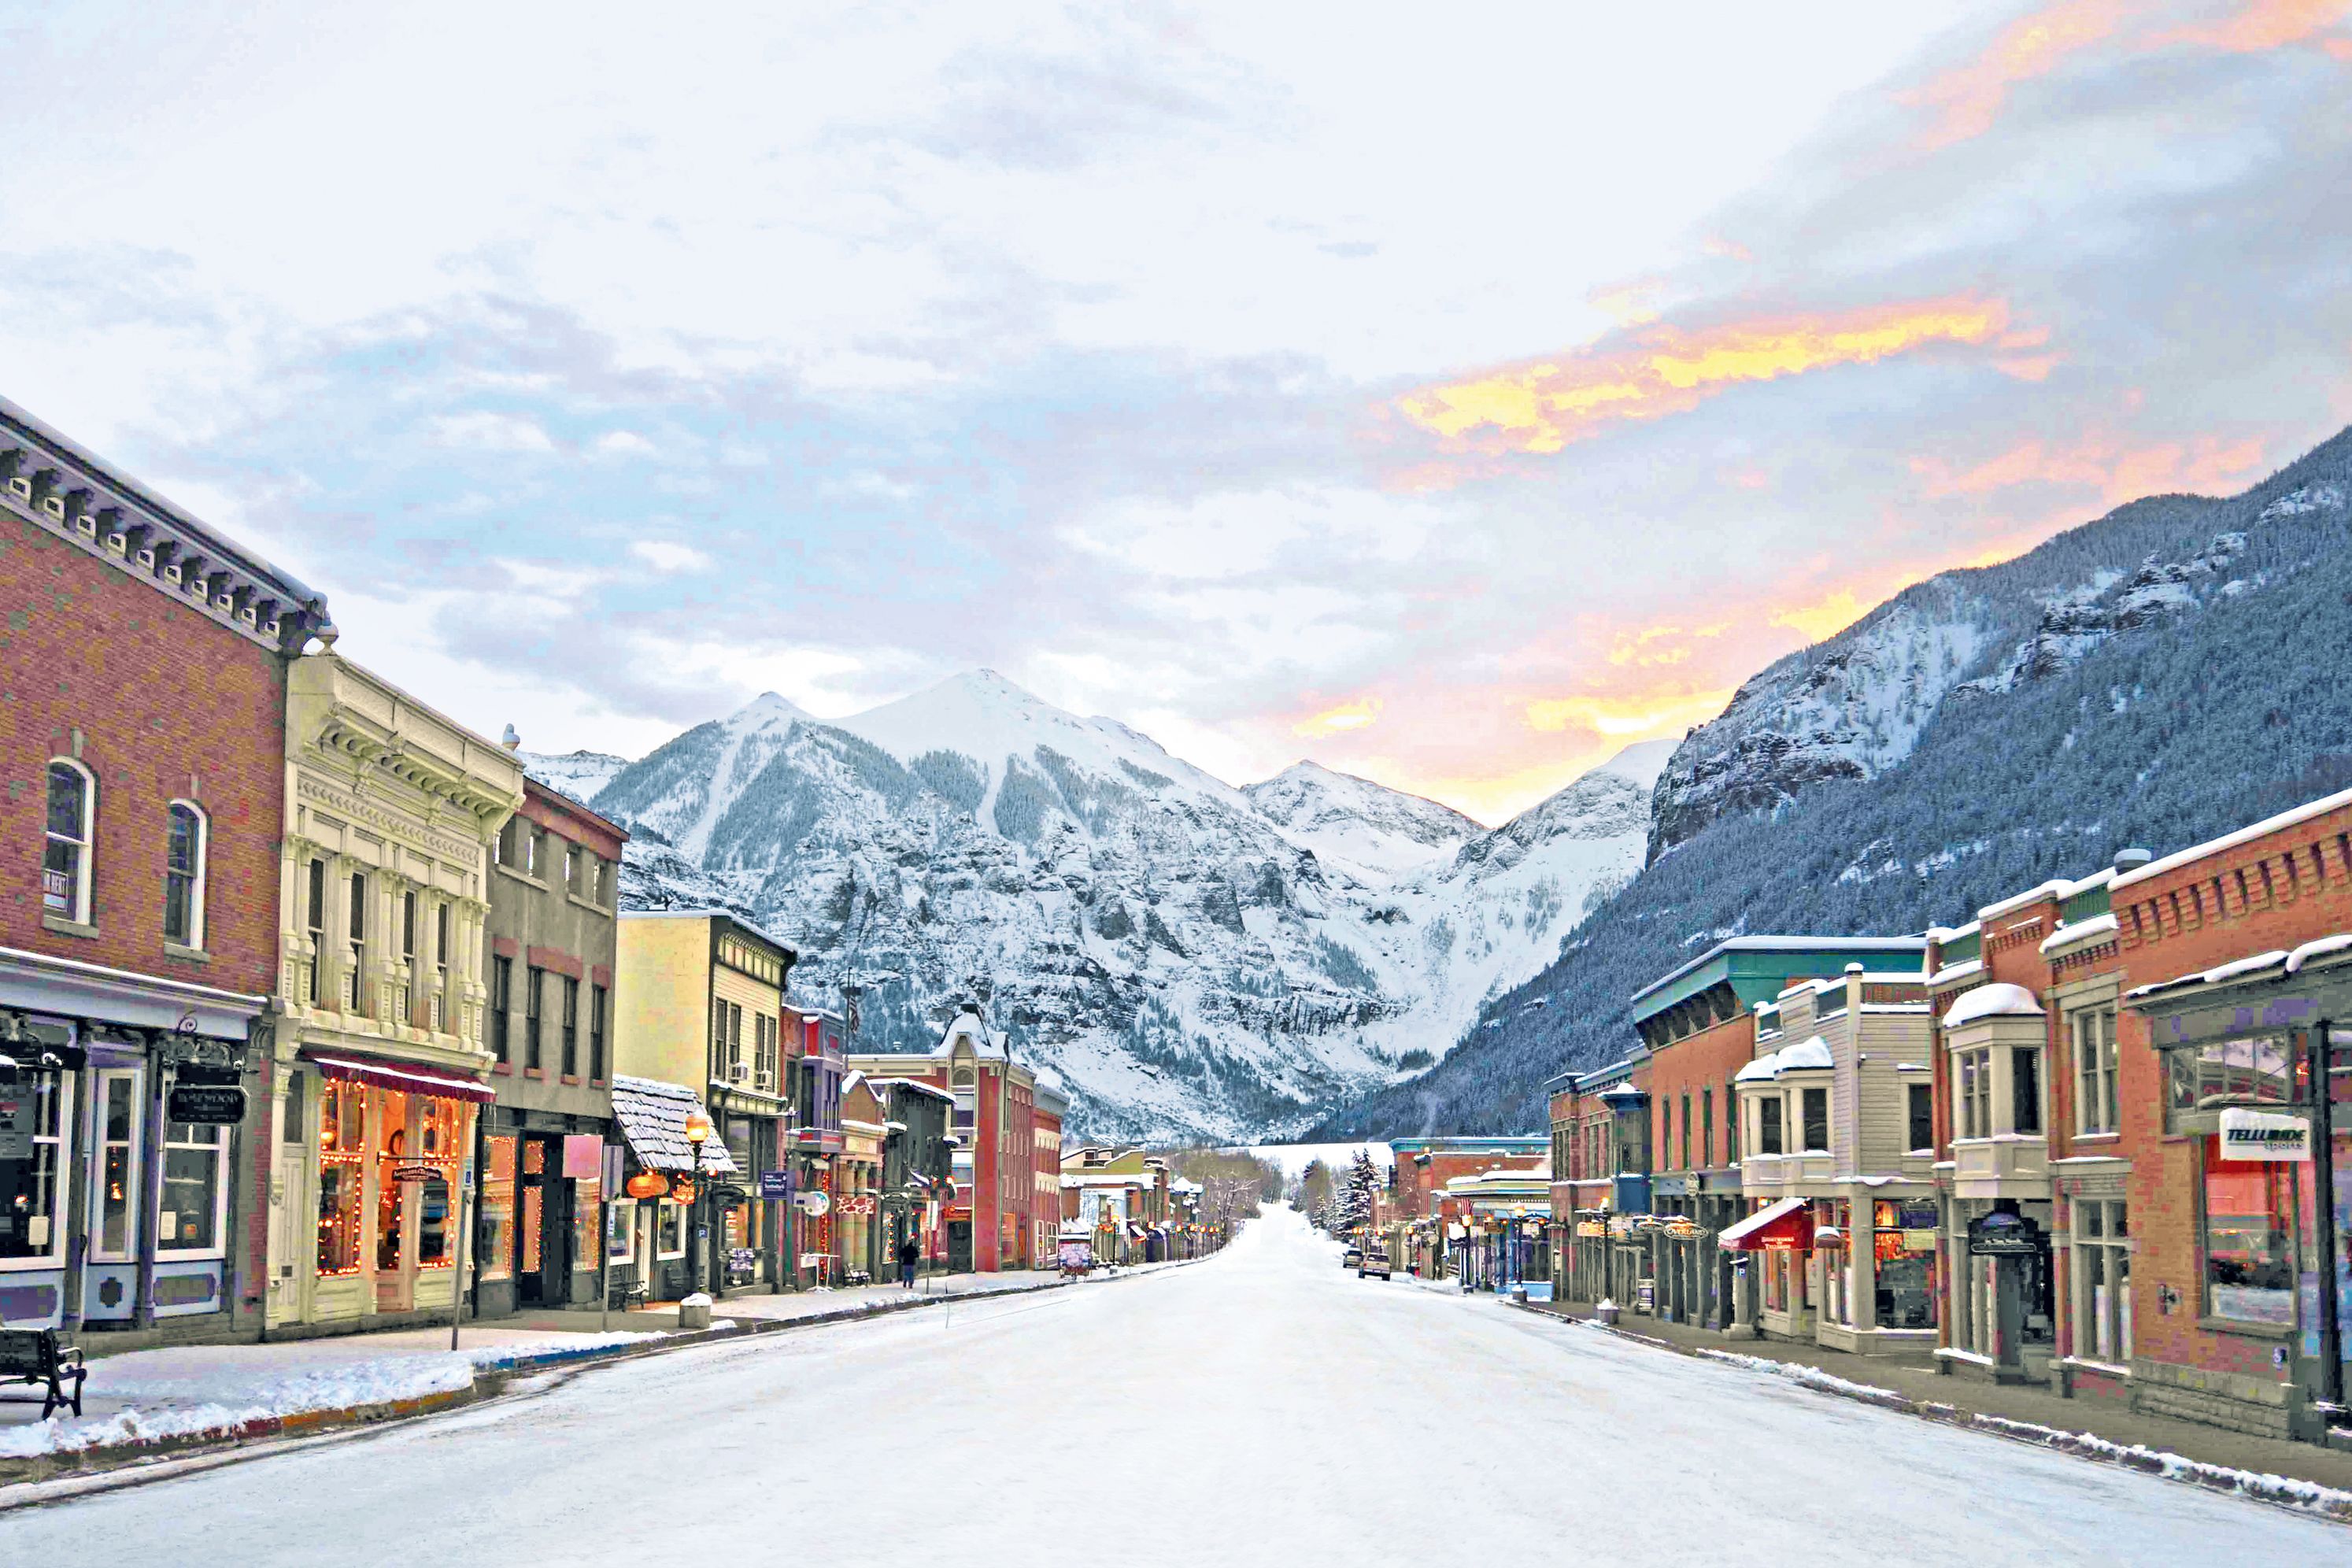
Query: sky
{"type": "Point", "coordinates": [1452, 396]}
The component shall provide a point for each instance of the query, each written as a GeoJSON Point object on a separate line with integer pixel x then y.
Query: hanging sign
{"type": "Point", "coordinates": [207, 1105]}
{"type": "Point", "coordinates": [2264, 1135]}
{"type": "Point", "coordinates": [417, 1174]}
{"type": "Point", "coordinates": [814, 1203]}
{"type": "Point", "coordinates": [2004, 1236]}
{"type": "Point", "coordinates": [775, 1183]}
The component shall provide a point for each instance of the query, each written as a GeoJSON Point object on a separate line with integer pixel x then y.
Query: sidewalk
{"type": "Point", "coordinates": [139, 1404]}
{"type": "Point", "coordinates": [2036, 1414]}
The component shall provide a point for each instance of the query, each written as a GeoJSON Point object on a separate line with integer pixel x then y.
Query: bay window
{"type": "Point", "coordinates": [2025, 1089]}
{"type": "Point", "coordinates": [1973, 1081]}
{"type": "Point", "coordinates": [1817, 1120]}
{"type": "Point", "coordinates": [1767, 1124]}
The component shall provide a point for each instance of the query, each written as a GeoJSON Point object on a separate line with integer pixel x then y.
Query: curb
{"type": "Point", "coordinates": [2309, 1498]}
{"type": "Point", "coordinates": [490, 1380]}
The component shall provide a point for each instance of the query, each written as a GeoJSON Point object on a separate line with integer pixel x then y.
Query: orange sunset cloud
{"type": "Point", "coordinates": [1360, 714]}
{"type": "Point", "coordinates": [1971, 97]}
{"type": "Point", "coordinates": [1541, 407]}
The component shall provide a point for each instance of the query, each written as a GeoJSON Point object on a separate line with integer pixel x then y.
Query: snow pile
{"type": "Point", "coordinates": [234, 1408]}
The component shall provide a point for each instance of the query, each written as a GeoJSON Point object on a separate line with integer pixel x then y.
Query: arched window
{"type": "Point", "coordinates": [65, 861]}
{"type": "Point", "coordinates": [186, 846]}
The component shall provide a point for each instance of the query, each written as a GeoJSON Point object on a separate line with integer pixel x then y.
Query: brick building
{"type": "Point", "coordinates": [143, 732]}
{"type": "Point", "coordinates": [540, 1236]}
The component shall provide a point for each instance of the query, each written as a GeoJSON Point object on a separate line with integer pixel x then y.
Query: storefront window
{"type": "Point", "coordinates": [1903, 1250]}
{"type": "Point", "coordinates": [32, 1109]}
{"type": "Point", "coordinates": [586, 1216]}
{"type": "Point", "coordinates": [433, 1228]}
{"type": "Point", "coordinates": [496, 1217]}
{"type": "Point", "coordinates": [2102, 1281]}
{"type": "Point", "coordinates": [669, 1230]}
{"type": "Point", "coordinates": [2249, 1238]}
{"type": "Point", "coordinates": [343, 1144]}
{"type": "Point", "coordinates": [2258, 1070]}
{"type": "Point", "coordinates": [111, 1237]}
{"type": "Point", "coordinates": [188, 1216]}
{"type": "Point", "coordinates": [621, 1232]}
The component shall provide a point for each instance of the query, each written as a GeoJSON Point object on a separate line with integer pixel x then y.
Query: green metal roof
{"type": "Point", "coordinates": [1760, 967]}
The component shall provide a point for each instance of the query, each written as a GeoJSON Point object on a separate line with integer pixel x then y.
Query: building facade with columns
{"type": "Point", "coordinates": [391, 812]}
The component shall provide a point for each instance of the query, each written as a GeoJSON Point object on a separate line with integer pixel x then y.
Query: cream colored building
{"type": "Point", "coordinates": [1836, 1127]}
{"type": "Point", "coordinates": [380, 1063]}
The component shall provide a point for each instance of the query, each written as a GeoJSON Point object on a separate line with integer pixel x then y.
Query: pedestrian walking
{"type": "Point", "coordinates": [907, 1254]}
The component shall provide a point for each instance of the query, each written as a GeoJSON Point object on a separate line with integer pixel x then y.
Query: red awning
{"type": "Point", "coordinates": [403, 1077]}
{"type": "Point", "coordinates": [1785, 1225]}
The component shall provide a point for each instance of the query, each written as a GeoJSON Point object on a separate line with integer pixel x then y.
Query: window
{"type": "Point", "coordinates": [534, 982]}
{"type": "Point", "coordinates": [2102, 1281]}
{"type": "Point", "coordinates": [2094, 1030]}
{"type": "Point", "coordinates": [495, 1213]}
{"type": "Point", "coordinates": [408, 957]}
{"type": "Point", "coordinates": [343, 1144]}
{"type": "Point", "coordinates": [763, 1065]}
{"type": "Point", "coordinates": [440, 966]}
{"type": "Point", "coordinates": [596, 1033]}
{"type": "Point", "coordinates": [2025, 1089]}
{"type": "Point", "coordinates": [1767, 1124]}
{"type": "Point", "coordinates": [1730, 1124]}
{"type": "Point", "coordinates": [571, 1027]}
{"type": "Point", "coordinates": [1706, 1126]}
{"type": "Point", "coordinates": [621, 1232]}
{"type": "Point", "coordinates": [669, 1230]}
{"type": "Point", "coordinates": [1922, 1107]}
{"type": "Point", "coordinates": [1817, 1120]}
{"type": "Point", "coordinates": [2249, 1222]}
{"type": "Point", "coordinates": [1686, 1132]}
{"type": "Point", "coordinates": [65, 861]}
{"type": "Point", "coordinates": [501, 1003]}
{"type": "Point", "coordinates": [190, 1215]}
{"type": "Point", "coordinates": [2259, 1070]}
{"type": "Point", "coordinates": [534, 842]}
{"type": "Point", "coordinates": [314, 921]}
{"type": "Point", "coordinates": [725, 1039]}
{"type": "Point", "coordinates": [34, 1106]}
{"type": "Point", "coordinates": [1974, 1082]}
{"type": "Point", "coordinates": [571, 868]}
{"type": "Point", "coordinates": [355, 991]}
{"type": "Point", "coordinates": [114, 1234]}
{"type": "Point", "coordinates": [183, 876]}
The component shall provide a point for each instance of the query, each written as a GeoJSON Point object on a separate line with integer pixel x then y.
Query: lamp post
{"type": "Point", "coordinates": [697, 1133]}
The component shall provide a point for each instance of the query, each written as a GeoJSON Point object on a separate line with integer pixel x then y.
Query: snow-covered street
{"type": "Point", "coordinates": [1264, 1407]}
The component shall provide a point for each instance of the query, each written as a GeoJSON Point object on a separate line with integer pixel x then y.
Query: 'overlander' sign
{"type": "Point", "coordinates": [2264, 1135]}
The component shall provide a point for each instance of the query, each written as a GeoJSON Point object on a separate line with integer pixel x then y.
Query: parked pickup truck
{"type": "Point", "coordinates": [1372, 1263]}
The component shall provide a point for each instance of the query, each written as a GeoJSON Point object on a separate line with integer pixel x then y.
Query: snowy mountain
{"type": "Point", "coordinates": [2154, 678]}
{"type": "Point", "coordinates": [1190, 958]}
{"type": "Point", "coordinates": [1374, 832]}
{"type": "Point", "coordinates": [580, 774]}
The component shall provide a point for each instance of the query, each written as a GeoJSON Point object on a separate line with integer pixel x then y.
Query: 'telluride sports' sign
{"type": "Point", "coordinates": [2264, 1135]}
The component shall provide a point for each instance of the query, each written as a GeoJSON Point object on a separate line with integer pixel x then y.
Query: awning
{"type": "Point", "coordinates": [401, 1076]}
{"type": "Point", "coordinates": [1787, 1224]}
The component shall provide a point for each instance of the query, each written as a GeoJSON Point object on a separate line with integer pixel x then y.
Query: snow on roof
{"type": "Point", "coordinates": [1999, 1000]}
{"type": "Point", "coordinates": [2053, 888]}
{"type": "Point", "coordinates": [653, 1114]}
{"type": "Point", "coordinates": [1805, 1056]}
{"type": "Point", "coordinates": [1953, 933]}
{"type": "Point", "coordinates": [2081, 931]}
{"type": "Point", "coordinates": [912, 1085]}
{"type": "Point", "coordinates": [2246, 835]}
{"type": "Point", "coordinates": [1953, 974]}
{"type": "Point", "coordinates": [2236, 969]}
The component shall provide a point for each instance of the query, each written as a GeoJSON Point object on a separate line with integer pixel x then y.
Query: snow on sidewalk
{"type": "Point", "coordinates": [190, 1390]}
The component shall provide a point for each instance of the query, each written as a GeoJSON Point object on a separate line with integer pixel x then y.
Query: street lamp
{"type": "Point", "coordinates": [697, 1133]}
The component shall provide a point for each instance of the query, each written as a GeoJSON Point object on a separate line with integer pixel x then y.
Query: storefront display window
{"type": "Point", "coordinates": [669, 1230]}
{"type": "Point", "coordinates": [111, 1235]}
{"type": "Point", "coordinates": [621, 1232]}
{"type": "Point", "coordinates": [2102, 1281]}
{"type": "Point", "coordinates": [497, 1218]}
{"type": "Point", "coordinates": [391, 1192]}
{"type": "Point", "coordinates": [1905, 1297]}
{"type": "Point", "coordinates": [2249, 1238]}
{"type": "Point", "coordinates": [189, 1214]}
{"type": "Point", "coordinates": [32, 1107]}
{"type": "Point", "coordinates": [433, 1226]}
{"type": "Point", "coordinates": [2257, 1070]}
{"type": "Point", "coordinates": [343, 1146]}
{"type": "Point", "coordinates": [586, 1216]}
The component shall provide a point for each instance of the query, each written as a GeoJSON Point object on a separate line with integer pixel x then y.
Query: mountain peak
{"type": "Point", "coordinates": [767, 711]}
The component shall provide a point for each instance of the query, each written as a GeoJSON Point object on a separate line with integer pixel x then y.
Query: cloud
{"type": "Point", "coordinates": [667, 556]}
{"type": "Point", "coordinates": [2254, 26]}
{"type": "Point", "coordinates": [1969, 98]}
{"type": "Point", "coordinates": [1542, 406]}
{"type": "Point", "coordinates": [1824, 617]}
{"type": "Point", "coordinates": [623, 443]}
{"type": "Point", "coordinates": [1637, 717]}
{"type": "Point", "coordinates": [1358, 713]}
{"type": "Point", "coordinates": [487, 431]}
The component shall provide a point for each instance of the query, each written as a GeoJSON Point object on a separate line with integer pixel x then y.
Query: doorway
{"type": "Point", "coordinates": [542, 1224]}
{"type": "Point", "coordinates": [958, 1247]}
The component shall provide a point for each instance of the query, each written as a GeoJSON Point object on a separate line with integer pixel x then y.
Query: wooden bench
{"type": "Point", "coordinates": [34, 1356]}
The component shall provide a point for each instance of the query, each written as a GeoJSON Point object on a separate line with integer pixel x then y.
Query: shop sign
{"type": "Point", "coordinates": [417, 1174]}
{"type": "Point", "coordinates": [15, 1126]}
{"type": "Point", "coordinates": [1645, 1295]}
{"type": "Point", "coordinates": [2004, 1236]}
{"type": "Point", "coordinates": [775, 1183]}
{"type": "Point", "coordinates": [1918, 1241]}
{"type": "Point", "coordinates": [1590, 1227]}
{"type": "Point", "coordinates": [814, 1204]}
{"type": "Point", "coordinates": [207, 1105]}
{"type": "Point", "coordinates": [2264, 1135]}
